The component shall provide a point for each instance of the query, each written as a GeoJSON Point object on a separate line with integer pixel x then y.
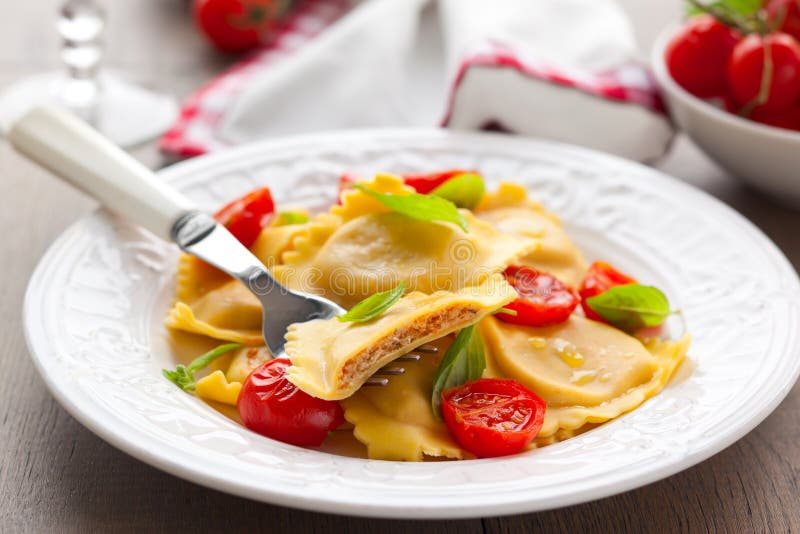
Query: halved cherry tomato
{"type": "Point", "coordinates": [425, 183]}
{"type": "Point", "coordinates": [747, 62]}
{"type": "Point", "coordinates": [245, 217]}
{"type": "Point", "coordinates": [600, 278]}
{"type": "Point", "coordinates": [787, 12]}
{"type": "Point", "coordinates": [543, 299]}
{"type": "Point", "coordinates": [697, 57]}
{"type": "Point", "coordinates": [274, 407]}
{"type": "Point", "coordinates": [238, 25]}
{"type": "Point", "coordinates": [493, 417]}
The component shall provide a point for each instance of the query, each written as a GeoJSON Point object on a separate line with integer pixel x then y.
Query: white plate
{"type": "Point", "coordinates": [95, 302]}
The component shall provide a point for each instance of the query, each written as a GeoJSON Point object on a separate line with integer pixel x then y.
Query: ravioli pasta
{"type": "Point", "coordinates": [586, 371]}
{"type": "Point", "coordinates": [361, 248]}
{"type": "Point", "coordinates": [332, 359]}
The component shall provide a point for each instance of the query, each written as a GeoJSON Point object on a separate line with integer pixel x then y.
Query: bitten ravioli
{"type": "Point", "coordinates": [332, 359]}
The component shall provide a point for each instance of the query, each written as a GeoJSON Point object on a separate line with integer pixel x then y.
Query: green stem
{"type": "Point", "coordinates": [766, 83]}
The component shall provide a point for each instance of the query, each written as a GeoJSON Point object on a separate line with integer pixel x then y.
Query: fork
{"type": "Point", "coordinates": [72, 150]}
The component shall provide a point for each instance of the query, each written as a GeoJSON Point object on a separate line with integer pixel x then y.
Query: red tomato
{"type": "Point", "coordinates": [787, 12]}
{"type": "Point", "coordinates": [788, 119]}
{"type": "Point", "coordinates": [698, 55]}
{"type": "Point", "coordinates": [543, 299]}
{"type": "Point", "coordinates": [237, 25]}
{"type": "Point", "coordinates": [747, 63]}
{"type": "Point", "coordinates": [425, 183]}
{"type": "Point", "coordinates": [600, 278]}
{"type": "Point", "coordinates": [493, 417]}
{"type": "Point", "coordinates": [245, 217]}
{"type": "Point", "coordinates": [274, 407]}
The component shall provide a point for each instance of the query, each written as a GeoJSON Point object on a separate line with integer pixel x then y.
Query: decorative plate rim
{"type": "Point", "coordinates": [134, 442]}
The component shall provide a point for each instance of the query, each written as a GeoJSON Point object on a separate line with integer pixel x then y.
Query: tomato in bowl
{"type": "Point", "coordinates": [761, 155]}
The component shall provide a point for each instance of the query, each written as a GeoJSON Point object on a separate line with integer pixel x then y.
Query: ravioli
{"type": "Point", "coordinates": [274, 241]}
{"type": "Point", "coordinates": [211, 303]}
{"type": "Point", "coordinates": [586, 371]}
{"type": "Point", "coordinates": [230, 313]}
{"type": "Point", "coordinates": [332, 359]}
{"type": "Point", "coordinates": [511, 212]}
{"type": "Point", "coordinates": [244, 361]}
{"type": "Point", "coordinates": [396, 422]}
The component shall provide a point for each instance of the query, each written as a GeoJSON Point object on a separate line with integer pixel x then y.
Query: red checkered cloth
{"type": "Point", "coordinates": [194, 131]}
{"type": "Point", "coordinates": [630, 83]}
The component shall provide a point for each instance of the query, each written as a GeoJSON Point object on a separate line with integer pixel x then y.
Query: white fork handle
{"type": "Point", "coordinates": [71, 149]}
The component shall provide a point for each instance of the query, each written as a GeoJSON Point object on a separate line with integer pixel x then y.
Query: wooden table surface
{"type": "Point", "coordinates": [57, 476]}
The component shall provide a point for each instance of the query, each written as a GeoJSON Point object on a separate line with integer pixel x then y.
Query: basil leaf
{"type": "Point", "coordinates": [463, 190]}
{"type": "Point", "coordinates": [465, 360]}
{"type": "Point", "coordinates": [373, 306]}
{"type": "Point", "coordinates": [420, 207]}
{"type": "Point", "coordinates": [286, 218]}
{"type": "Point", "coordinates": [631, 306]}
{"type": "Point", "coordinates": [183, 375]}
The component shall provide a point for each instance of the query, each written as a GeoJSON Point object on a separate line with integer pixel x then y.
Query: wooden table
{"type": "Point", "coordinates": [57, 476]}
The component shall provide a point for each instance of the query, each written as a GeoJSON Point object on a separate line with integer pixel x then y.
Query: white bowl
{"type": "Point", "coordinates": [765, 157]}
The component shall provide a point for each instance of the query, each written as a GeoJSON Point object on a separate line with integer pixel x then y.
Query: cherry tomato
{"type": "Point", "coordinates": [493, 417]}
{"type": "Point", "coordinates": [543, 299]}
{"type": "Point", "coordinates": [274, 407]}
{"type": "Point", "coordinates": [747, 63]}
{"type": "Point", "coordinates": [425, 183]}
{"type": "Point", "coordinates": [600, 278]}
{"type": "Point", "coordinates": [698, 55]}
{"type": "Point", "coordinates": [245, 217]}
{"type": "Point", "coordinates": [787, 12]}
{"type": "Point", "coordinates": [788, 119]}
{"type": "Point", "coordinates": [237, 25]}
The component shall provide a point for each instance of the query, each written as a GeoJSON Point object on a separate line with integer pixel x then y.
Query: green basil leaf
{"type": "Point", "coordinates": [465, 360]}
{"type": "Point", "coordinates": [286, 218]}
{"type": "Point", "coordinates": [631, 307]}
{"type": "Point", "coordinates": [420, 207]}
{"type": "Point", "coordinates": [373, 306]}
{"type": "Point", "coordinates": [183, 375]}
{"type": "Point", "coordinates": [463, 190]}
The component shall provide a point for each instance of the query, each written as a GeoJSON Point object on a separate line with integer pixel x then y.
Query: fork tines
{"type": "Point", "coordinates": [378, 379]}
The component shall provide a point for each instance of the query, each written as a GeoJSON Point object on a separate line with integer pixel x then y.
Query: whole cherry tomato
{"type": "Point", "coordinates": [600, 278]}
{"type": "Point", "coordinates": [274, 407]}
{"type": "Point", "coordinates": [543, 299]}
{"type": "Point", "coordinates": [245, 217]}
{"type": "Point", "coordinates": [787, 12]}
{"type": "Point", "coordinates": [493, 417]}
{"type": "Point", "coordinates": [747, 63]}
{"type": "Point", "coordinates": [425, 183]}
{"type": "Point", "coordinates": [238, 25]}
{"type": "Point", "coordinates": [698, 55]}
{"type": "Point", "coordinates": [788, 119]}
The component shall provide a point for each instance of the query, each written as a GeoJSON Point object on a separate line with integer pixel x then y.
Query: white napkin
{"type": "Point", "coordinates": [564, 70]}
